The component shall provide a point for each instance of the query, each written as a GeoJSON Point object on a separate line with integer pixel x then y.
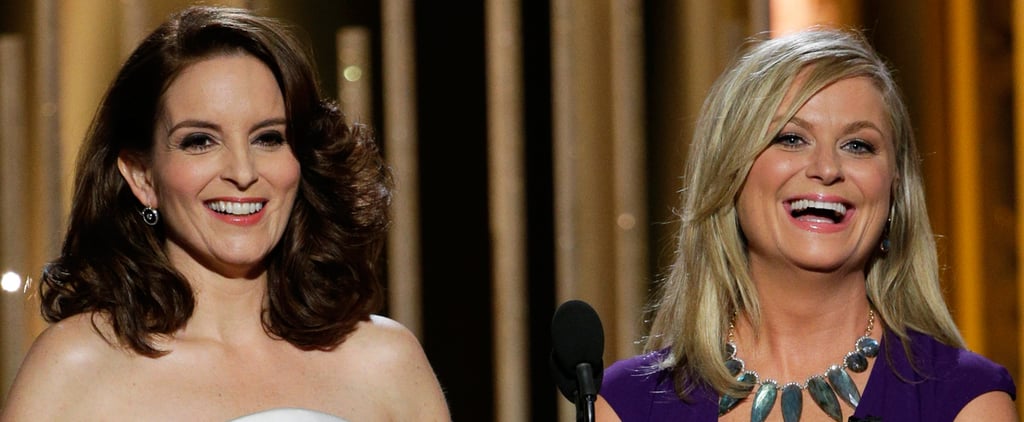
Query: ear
{"type": "Point", "coordinates": [139, 178]}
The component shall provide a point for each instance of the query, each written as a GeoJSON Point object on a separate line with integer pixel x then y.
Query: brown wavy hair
{"type": "Point", "coordinates": [322, 276]}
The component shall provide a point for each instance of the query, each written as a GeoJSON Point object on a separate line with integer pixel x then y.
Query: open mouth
{"type": "Point", "coordinates": [817, 211]}
{"type": "Point", "coordinates": [235, 208]}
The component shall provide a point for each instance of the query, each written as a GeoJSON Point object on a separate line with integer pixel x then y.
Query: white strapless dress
{"type": "Point", "coordinates": [289, 415]}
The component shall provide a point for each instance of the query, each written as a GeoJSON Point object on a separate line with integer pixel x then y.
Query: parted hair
{"type": "Point", "coordinates": [322, 275]}
{"type": "Point", "coordinates": [710, 278]}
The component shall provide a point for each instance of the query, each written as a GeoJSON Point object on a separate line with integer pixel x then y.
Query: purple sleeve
{"type": "Point", "coordinates": [936, 387]}
{"type": "Point", "coordinates": [971, 376]}
{"type": "Point", "coordinates": [624, 387]}
{"type": "Point", "coordinates": [638, 391]}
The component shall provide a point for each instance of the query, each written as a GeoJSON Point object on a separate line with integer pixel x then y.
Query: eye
{"type": "Point", "coordinates": [859, 146]}
{"type": "Point", "coordinates": [196, 142]}
{"type": "Point", "coordinates": [789, 140]}
{"type": "Point", "coordinates": [272, 139]}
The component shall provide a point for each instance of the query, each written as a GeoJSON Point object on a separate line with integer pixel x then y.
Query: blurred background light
{"type": "Point", "coordinates": [353, 73]}
{"type": "Point", "coordinates": [10, 282]}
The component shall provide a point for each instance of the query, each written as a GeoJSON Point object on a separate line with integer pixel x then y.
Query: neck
{"type": "Point", "coordinates": [227, 310]}
{"type": "Point", "coordinates": [796, 299]}
{"type": "Point", "coordinates": [807, 323]}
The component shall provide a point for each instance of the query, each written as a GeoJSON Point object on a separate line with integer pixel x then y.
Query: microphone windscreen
{"type": "Point", "coordinates": [576, 337]}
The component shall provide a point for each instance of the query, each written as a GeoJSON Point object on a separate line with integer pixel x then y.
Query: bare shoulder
{"type": "Point", "coordinates": [392, 357]}
{"type": "Point", "coordinates": [603, 411]}
{"type": "Point", "coordinates": [75, 345]}
{"type": "Point", "coordinates": [64, 364]}
{"type": "Point", "coordinates": [393, 333]}
{"type": "Point", "coordinates": [388, 345]}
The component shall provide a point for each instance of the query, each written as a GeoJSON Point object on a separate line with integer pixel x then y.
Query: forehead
{"type": "Point", "coordinates": [223, 83]}
{"type": "Point", "coordinates": [220, 70]}
{"type": "Point", "coordinates": [856, 96]}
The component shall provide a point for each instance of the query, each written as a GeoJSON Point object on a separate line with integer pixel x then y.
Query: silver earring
{"type": "Point", "coordinates": [150, 216]}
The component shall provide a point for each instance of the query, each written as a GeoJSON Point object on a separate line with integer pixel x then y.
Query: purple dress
{"type": "Point", "coordinates": [947, 379]}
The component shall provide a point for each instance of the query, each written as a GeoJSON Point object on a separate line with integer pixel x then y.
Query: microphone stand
{"type": "Point", "coordinates": [586, 394]}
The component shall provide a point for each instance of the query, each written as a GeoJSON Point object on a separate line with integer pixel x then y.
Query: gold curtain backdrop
{"type": "Point", "coordinates": [537, 149]}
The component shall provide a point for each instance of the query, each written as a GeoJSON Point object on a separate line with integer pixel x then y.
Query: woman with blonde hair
{"type": "Point", "coordinates": [806, 281]}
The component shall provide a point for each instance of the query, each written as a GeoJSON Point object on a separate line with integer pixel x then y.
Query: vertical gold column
{"type": "Point", "coordinates": [403, 249]}
{"type": "Point", "coordinates": [966, 186]}
{"type": "Point", "coordinates": [584, 216]}
{"type": "Point", "coordinates": [698, 43]}
{"type": "Point", "coordinates": [13, 199]}
{"type": "Point", "coordinates": [88, 60]}
{"type": "Point", "coordinates": [581, 115]}
{"type": "Point", "coordinates": [599, 155]}
{"type": "Point", "coordinates": [792, 15]}
{"type": "Point", "coordinates": [563, 108]}
{"type": "Point", "coordinates": [1018, 110]}
{"type": "Point", "coordinates": [507, 181]}
{"type": "Point", "coordinates": [46, 152]}
{"type": "Point", "coordinates": [134, 25]}
{"type": "Point", "coordinates": [354, 74]}
{"type": "Point", "coordinates": [628, 162]}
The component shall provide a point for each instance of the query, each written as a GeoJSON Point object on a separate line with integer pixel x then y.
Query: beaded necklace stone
{"type": "Point", "coordinates": [825, 389]}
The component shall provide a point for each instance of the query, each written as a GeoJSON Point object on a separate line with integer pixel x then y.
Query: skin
{"type": "Point", "coordinates": [222, 365]}
{"type": "Point", "coordinates": [809, 270]}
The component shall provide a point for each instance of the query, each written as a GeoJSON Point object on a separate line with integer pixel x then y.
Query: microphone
{"type": "Point", "coordinates": [577, 363]}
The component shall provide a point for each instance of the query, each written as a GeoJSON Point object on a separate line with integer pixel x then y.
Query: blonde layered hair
{"type": "Point", "coordinates": [710, 276]}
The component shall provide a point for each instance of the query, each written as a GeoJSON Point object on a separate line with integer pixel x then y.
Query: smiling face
{"type": "Point", "coordinates": [222, 174]}
{"type": "Point", "coordinates": [817, 198]}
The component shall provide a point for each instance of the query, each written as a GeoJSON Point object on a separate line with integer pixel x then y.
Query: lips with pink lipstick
{"type": "Point", "coordinates": [237, 211]}
{"type": "Point", "coordinates": [819, 214]}
{"type": "Point", "coordinates": [235, 208]}
{"type": "Point", "coordinates": [813, 210]}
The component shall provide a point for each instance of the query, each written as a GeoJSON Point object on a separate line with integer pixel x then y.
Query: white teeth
{"type": "Point", "coordinates": [803, 204]}
{"type": "Point", "coordinates": [236, 208]}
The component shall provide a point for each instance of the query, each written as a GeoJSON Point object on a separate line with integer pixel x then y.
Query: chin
{"type": "Point", "coordinates": [822, 263]}
{"type": "Point", "coordinates": [242, 262]}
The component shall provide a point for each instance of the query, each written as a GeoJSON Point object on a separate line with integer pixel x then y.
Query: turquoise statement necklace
{"type": "Point", "coordinates": [825, 389]}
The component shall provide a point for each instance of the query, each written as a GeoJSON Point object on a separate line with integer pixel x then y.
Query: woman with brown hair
{"type": "Point", "coordinates": [221, 256]}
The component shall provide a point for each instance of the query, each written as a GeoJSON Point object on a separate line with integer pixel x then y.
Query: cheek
{"type": "Point", "coordinates": [752, 200]}
{"type": "Point", "coordinates": [876, 182]}
{"type": "Point", "coordinates": [176, 177]}
{"type": "Point", "coordinates": [767, 176]}
{"type": "Point", "coordinates": [761, 190]}
{"type": "Point", "coordinates": [775, 165]}
{"type": "Point", "coordinates": [286, 172]}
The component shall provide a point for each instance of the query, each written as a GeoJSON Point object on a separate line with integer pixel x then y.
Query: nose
{"type": "Point", "coordinates": [240, 167]}
{"type": "Point", "coordinates": [825, 165]}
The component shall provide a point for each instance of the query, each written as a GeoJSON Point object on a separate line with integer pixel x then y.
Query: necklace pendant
{"type": "Point", "coordinates": [868, 346]}
{"type": "Point", "coordinates": [824, 397]}
{"type": "Point", "coordinates": [825, 389]}
{"type": "Point", "coordinates": [792, 402]}
{"type": "Point", "coordinates": [764, 401]}
{"type": "Point", "coordinates": [735, 366]}
{"type": "Point", "coordinates": [727, 402]}
{"type": "Point", "coordinates": [856, 361]}
{"type": "Point", "coordinates": [843, 385]}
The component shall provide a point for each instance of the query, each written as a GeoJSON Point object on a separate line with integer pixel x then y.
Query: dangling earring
{"type": "Point", "coordinates": [886, 245]}
{"type": "Point", "coordinates": [150, 216]}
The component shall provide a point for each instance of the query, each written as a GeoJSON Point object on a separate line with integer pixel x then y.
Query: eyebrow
{"type": "Point", "coordinates": [848, 129]}
{"type": "Point", "coordinates": [202, 124]}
